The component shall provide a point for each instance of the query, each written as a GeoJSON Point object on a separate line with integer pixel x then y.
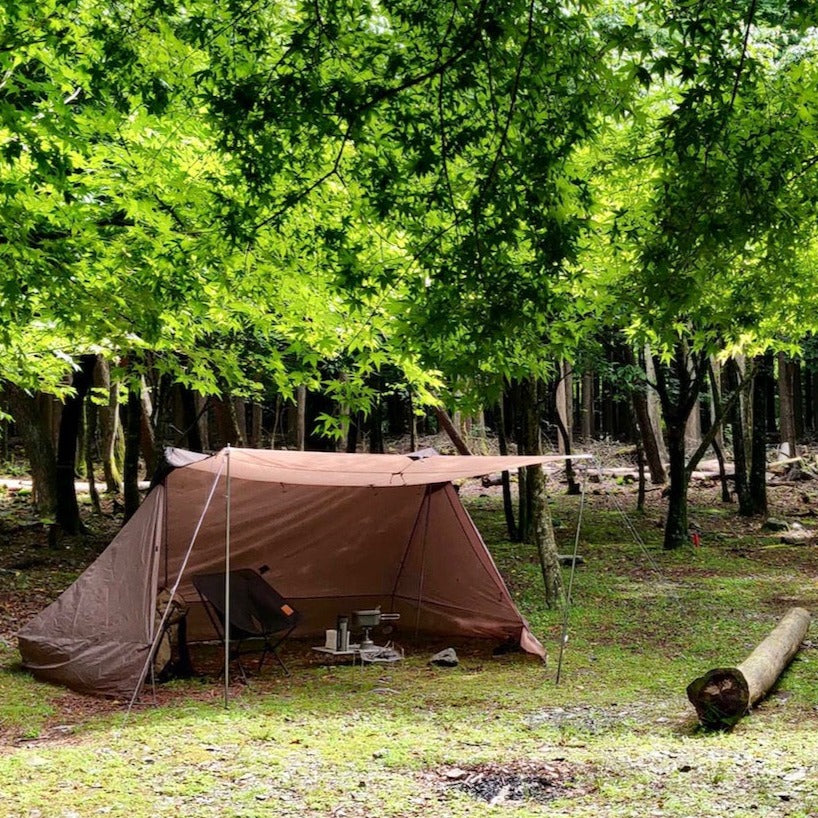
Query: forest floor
{"type": "Point", "coordinates": [616, 737]}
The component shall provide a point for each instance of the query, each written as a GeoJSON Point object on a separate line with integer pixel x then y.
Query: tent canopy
{"type": "Point", "coordinates": [334, 533]}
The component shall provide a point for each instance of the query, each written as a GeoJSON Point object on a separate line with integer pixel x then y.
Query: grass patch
{"type": "Point", "coordinates": [616, 737]}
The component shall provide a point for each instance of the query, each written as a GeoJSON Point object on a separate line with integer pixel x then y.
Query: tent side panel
{"type": "Point", "coordinates": [94, 636]}
{"type": "Point", "coordinates": [450, 584]}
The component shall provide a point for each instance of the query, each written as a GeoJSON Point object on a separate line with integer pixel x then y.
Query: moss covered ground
{"type": "Point", "coordinates": [493, 735]}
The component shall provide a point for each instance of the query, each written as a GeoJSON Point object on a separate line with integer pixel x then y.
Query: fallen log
{"type": "Point", "coordinates": [723, 695]}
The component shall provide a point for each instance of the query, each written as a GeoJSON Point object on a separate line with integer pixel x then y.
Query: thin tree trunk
{"type": "Point", "coordinates": [508, 505]}
{"type": "Point", "coordinates": [786, 404]}
{"type": "Point", "coordinates": [587, 425]}
{"type": "Point", "coordinates": [237, 419]}
{"type": "Point", "coordinates": [758, 466]}
{"type": "Point", "coordinates": [255, 426]}
{"type": "Point", "coordinates": [353, 433]}
{"type": "Point", "coordinates": [658, 475]}
{"type": "Point", "coordinates": [190, 420]}
{"type": "Point", "coordinates": [636, 435]}
{"type": "Point", "coordinates": [91, 413]}
{"type": "Point", "coordinates": [376, 426]}
{"type": "Point", "coordinates": [238, 408]}
{"type": "Point", "coordinates": [544, 540]}
{"type": "Point", "coordinates": [147, 437]}
{"type": "Point", "coordinates": [413, 426]}
{"type": "Point", "coordinates": [644, 425]}
{"type": "Point", "coordinates": [741, 477]}
{"type": "Point", "coordinates": [203, 420]}
{"type": "Point", "coordinates": [676, 523]}
{"type": "Point", "coordinates": [528, 442]}
{"type": "Point", "coordinates": [573, 486]}
{"type": "Point", "coordinates": [68, 511]}
{"type": "Point", "coordinates": [448, 426]}
{"type": "Point", "coordinates": [132, 439]}
{"type": "Point", "coordinates": [109, 424]}
{"type": "Point", "coordinates": [32, 416]}
{"type": "Point", "coordinates": [301, 418]}
{"type": "Point", "coordinates": [716, 417]}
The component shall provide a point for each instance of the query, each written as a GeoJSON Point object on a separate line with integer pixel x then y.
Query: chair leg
{"type": "Point", "coordinates": [283, 666]}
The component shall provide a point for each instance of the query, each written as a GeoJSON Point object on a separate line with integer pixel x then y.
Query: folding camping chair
{"type": "Point", "coordinates": [257, 611]}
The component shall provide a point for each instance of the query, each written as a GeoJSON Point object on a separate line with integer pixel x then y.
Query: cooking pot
{"type": "Point", "coordinates": [372, 618]}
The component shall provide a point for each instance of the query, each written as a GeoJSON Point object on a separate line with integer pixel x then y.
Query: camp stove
{"type": "Point", "coordinates": [366, 620]}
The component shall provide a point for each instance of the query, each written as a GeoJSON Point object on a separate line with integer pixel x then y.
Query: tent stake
{"type": "Point", "coordinates": [227, 587]}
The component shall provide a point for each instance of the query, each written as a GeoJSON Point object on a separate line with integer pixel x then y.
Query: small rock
{"type": "Point", "coordinates": [797, 537]}
{"type": "Point", "coordinates": [454, 773]}
{"type": "Point", "coordinates": [567, 559]}
{"type": "Point", "coordinates": [795, 775]}
{"type": "Point", "coordinates": [776, 525]}
{"type": "Point", "coordinates": [445, 658]}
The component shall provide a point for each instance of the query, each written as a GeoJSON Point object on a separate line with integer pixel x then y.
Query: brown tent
{"type": "Point", "coordinates": [339, 532]}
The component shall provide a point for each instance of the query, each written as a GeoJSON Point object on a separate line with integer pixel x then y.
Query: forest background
{"type": "Point", "coordinates": [317, 224]}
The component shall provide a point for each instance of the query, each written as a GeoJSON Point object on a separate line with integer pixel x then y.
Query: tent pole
{"type": "Point", "coordinates": [227, 587]}
{"type": "Point", "coordinates": [160, 628]}
{"type": "Point", "coordinates": [568, 596]}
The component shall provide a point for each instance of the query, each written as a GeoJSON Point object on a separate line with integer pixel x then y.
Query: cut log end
{"type": "Point", "coordinates": [721, 697]}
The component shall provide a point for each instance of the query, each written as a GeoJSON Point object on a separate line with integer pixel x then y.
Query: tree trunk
{"type": "Point", "coordinates": [648, 439]}
{"type": "Point", "coordinates": [301, 418]}
{"type": "Point", "coordinates": [203, 420]}
{"type": "Point", "coordinates": [68, 511]}
{"type": "Point", "coordinates": [758, 465]}
{"type": "Point", "coordinates": [786, 405]}
{"type": "Point", "coordinates": [256, 430]}
{"type": "Point", "coordinates": [645, 428]}
{"type": "Point", "coordinates": [147, 436]}
{"type": "Point", "coordinates": [190, 421]}
{"type": "Point", "coordinates": [565, 412]}
{"type": "Point", "coordinates": [544, 540]}
{"type": "Point", "coordinates": [448, 426]}
{"type": "Point", "coordinates": [679, 387]}
{"type": "Point", "coordinates": [239, 412]}
{"type": "Point", "coordinates": [376, 444]}
{"type": "Point", "coordinates": [731, 375]}
{"type": "Point", "coordinates": [723, 695]}
{"type": "Point", "coordinates": [587, 425]}
{"type": "Point", "coordinates": [528, 442]}
{"type": "Point", "coordinates": [355, 423]}
{"type": "Point", "coordinates": [91, 413]}
{"type": "Point", "coordinates": [654, 407]}
{"type": "Point", "coordinates": [32, 416]}
{"type": "Point", "coordinates": [109, 424]}
{"type": "Point", "coordinates": [132, 439]}
{"type": "Point", "coordinates": [715, 417]}
{"type": "Point", "coordinates": [508, 506]}
{"type": "Point", "coordinates": [676, 524]}
{"type": "Point", "coordinates": [565, 436]}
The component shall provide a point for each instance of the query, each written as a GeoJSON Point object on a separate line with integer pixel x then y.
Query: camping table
{"type": "Point", "coordinates": [354, 651]}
